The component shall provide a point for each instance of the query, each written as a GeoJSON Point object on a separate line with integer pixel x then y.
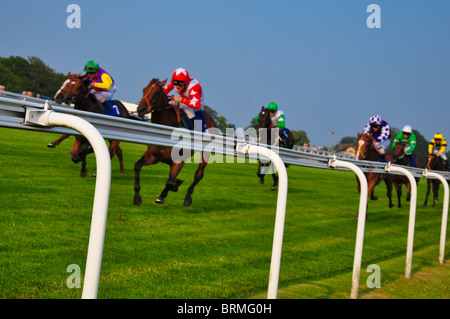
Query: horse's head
{"type": "Point", "coordinates": [81, 148]}
{"type": "Point", "coordinates": [264, 119]}
{"type": "Point", "coordinates": [153, 98]}
{"type": "Point", "coordinates": [72, 89]}
{"type": "Point", "coordinates": [364, 144]}
{"type": "Point", "coordinates": [399, 150]}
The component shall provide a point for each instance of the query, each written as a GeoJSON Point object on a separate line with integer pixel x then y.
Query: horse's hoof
{"type": "Point", "coordinates": [51, 145]}
{"type": "Point", "coordinates": [374, 198]}
{"type": "Point", "coordinates": [137, 200]}
{"type": "Point", "coordinates": [187, 201]}
{"type": "Point", "coordinates": [391, 205]}
{"type": "Point", "coordinates": [94, 175]}
{"type": "Point", "coordinates": [261, 182]}
{"type": "Point", "coordinates": [274, 188]}
{"type": "Point", "coordinates": [159, 200]}
{"type": "Point", "coordinates": [83, 174]}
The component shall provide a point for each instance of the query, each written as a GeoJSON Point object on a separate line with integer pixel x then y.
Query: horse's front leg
{"type": "Point", "coordinates": [427, 193]}
{"type": "Point", "coordinates": [172, 183]}
{"type": "Point", "coordinates": [118, 152]}
{"type": "Point", "coordinates": [275, 181]}
{"type": "Point", "coordinates": [388, 183]}
{"type": "Point", "coordinates": [58, 141]}
{"type": "Point", "coordinates": [436, 184]}
{"type": "Point", "coordinates": [83, 172]}
{"type": "Point", "coordinates": [259, 172]}
{"type": "Point", "coordinates": [137, 184]}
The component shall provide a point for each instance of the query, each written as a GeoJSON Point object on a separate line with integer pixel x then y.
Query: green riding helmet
{"type": "Point", "coordinates": [91, 67]}
{"type": "Point", "coordinates": [272, 106]}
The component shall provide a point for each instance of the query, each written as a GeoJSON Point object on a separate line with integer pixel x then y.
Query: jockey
{"type": "Point", "coordinates": [381, 132]}
{"type": "Point", "coordinates": [102, 84]}
{"type": "Point", "coordinates": [190, 97]}
{"type": "Point", "coordinates": [437, 146]}
{"type": "Point", "coordinates": [407, 136]}
{"type": "Point", "coordinates": [278, 120]}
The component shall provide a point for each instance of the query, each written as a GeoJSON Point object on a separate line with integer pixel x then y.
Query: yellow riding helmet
{"type": "Point", "coordinates": [438, 136]}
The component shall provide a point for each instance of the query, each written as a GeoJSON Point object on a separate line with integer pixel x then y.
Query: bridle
{"type": "Point", "coordinates": [149, 107]}
{"type": "Point", "coordinates": [361, 142]}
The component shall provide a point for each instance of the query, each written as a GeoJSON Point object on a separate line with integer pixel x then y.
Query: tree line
{"type": "Point", "coordinates": [18, 74]}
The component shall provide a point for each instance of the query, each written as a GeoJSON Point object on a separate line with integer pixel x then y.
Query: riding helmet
{"type": "Point", "coordinates": [91, 67]}
{"type": "Point", "coordinates": [407, 129]}
{"type": "Point", "coordinates": [272, 106]}
{"type": "Point", "coordinates": [181, 74]}
{"type": "Point", "coordinates": [375, 120]}
{"type": "Point", "coordinates": [438, 136]}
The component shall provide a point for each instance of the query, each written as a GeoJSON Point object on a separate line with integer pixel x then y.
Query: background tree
{"type": "Point", "coordinates": [18, 74]}
{"type": "Point", "coordinates": [300, 137]}
{"type": "Point", "coordinates": [221, 121]}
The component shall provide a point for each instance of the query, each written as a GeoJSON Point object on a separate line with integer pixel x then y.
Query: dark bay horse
{"type": "Point", "coordinates": [156, 102]}
{"type": "Point", "coordinates": [400, 158]}
{"type": "Point", "coordinates": [435, 163]}
{"type": "Point", "coordinates": [75, 89]}
{"type": "Point", "coordinates": [269, 134]}
{"type": "Point", "coordinates": [365, 150]}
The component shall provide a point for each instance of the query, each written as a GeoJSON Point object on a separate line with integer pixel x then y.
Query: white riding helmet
{"type": "Point", "coordinates": [407, 129]}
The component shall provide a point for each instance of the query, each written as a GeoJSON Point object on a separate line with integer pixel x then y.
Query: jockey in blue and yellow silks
{"type": "Point", "coordinates": [102, 84]}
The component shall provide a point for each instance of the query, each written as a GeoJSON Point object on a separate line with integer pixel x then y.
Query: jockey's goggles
{"type": "Point", "coordinates": [178, 83]}
{"type": "Point", "coordinates": [90, 69]}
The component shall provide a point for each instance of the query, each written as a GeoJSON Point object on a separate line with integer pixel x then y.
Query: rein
{"type": "Point", "coordinates": [177, 109]}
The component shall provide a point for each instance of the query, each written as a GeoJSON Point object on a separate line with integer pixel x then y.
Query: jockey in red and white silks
{"type": "Point", "coordinates": [191, 94]}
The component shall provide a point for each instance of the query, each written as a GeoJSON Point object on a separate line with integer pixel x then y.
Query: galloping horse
{"type": "Point", "coordinates": [435, 163]}
{"type": "Point", "coordinates": [398, 180]}
{"type": "Point", "coordinates": [156, 102]}
{"type": "Point", "coordinates": [265, 129]}
{"type": "Point", "coordinates": [365, 150]}
{"type": "Point", "coordinates": [75, 89]}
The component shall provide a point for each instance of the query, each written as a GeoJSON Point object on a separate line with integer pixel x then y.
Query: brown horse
{"type": "Point", "coordinates": [156, 102]}
{"type": "Point", "coordinates": [400, 158]}
{"type": "Point", "coordinates": [365, 150]}
{"type": "Point", "coordinates": [435, 163]}
{"type": "Point", "coordinates": [268, 134]}
{"type": "Point", "coordinates": [75, 89]}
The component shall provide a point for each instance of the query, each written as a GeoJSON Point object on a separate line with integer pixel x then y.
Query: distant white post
{"type": "Point", "coordinates": [444, 212]}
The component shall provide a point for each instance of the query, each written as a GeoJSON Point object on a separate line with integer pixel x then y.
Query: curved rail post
{"type": "Point", "coordinates": [412, 214]}
{"type": "Point", "coordinates": [244, 148]}
{"type": "Point", "coordinates": [102, 188]}
{"type": "Point", "coordinates": [361, 221]}
{"type": "Point", "coordinates": [426, 173]}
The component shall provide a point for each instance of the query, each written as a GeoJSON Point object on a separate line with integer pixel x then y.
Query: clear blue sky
{"type": "Point", "coordinates": [316, 58]}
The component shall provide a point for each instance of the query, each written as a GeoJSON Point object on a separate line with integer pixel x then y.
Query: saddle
{"type": "Point", "coordinates": [114, 109]}
{"type": "Point", "coordinates": [190, 124]}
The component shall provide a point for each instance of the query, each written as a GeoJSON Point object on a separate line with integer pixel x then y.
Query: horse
{"type": "Point", "coordinates": [156, 102]}
{"type": "Point", "coordinates": [400, 158]}
{"type": "Point", "coordinates": [435, 163]}
{"type": "Point", "coordinates": [365, 150]}
{"type": "Point", "coordinates": [75, 89]}
{"type": "Point", "coordinates": [265, 129]}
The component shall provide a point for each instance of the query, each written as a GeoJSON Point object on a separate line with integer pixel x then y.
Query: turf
{"type": "Point", "coordinates": [218, 248]}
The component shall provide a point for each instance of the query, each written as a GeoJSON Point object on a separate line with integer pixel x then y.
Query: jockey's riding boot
{"type": "Point", "coordinates": [447, 166]}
